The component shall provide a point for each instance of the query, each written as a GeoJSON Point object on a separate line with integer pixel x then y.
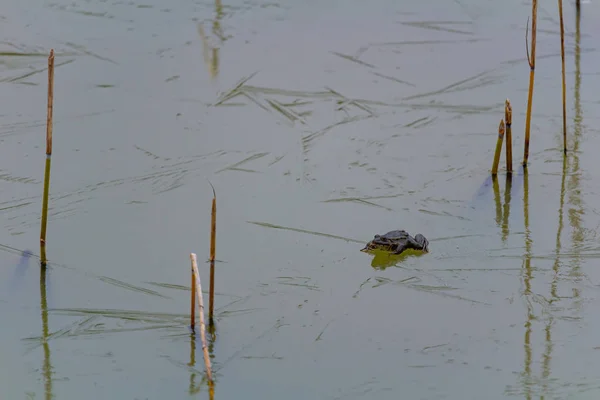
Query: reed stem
{"type": "Point", "coordinates": [498, 148]}
{"type": "Point", "coordinates": [43, 259]}
{"type": "Point", "coordinates": [564, 85]}
{"type": "Point", "coordinates": [531, 60]}
{"type": "Point", "coordinates": [48, 146]}
{"type": "Point", "coordinates": [193, 303]}
{"type": "Point", "coordinates": [508, 119]}
{"type": "Point", "coordinates": [213, 238]}
{"type": "Point", "coordinates": [202, 325]}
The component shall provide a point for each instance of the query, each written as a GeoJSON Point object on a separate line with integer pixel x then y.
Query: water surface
{"type": "Point", "coordinates": [320, 124]}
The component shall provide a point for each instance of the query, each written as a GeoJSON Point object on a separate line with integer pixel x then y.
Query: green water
{"type": "Point", "coordinates": [320, 124]}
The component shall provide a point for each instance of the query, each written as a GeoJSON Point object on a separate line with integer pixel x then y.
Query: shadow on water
{"type": "Point", "coordinates": [19, 273]}
{"type": "Point", "coordinates": [23, 264]}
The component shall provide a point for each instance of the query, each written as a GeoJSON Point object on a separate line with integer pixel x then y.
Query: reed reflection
{"type": "Point", "coordinates": [497, 201]}
{"type": "Point", "coordinates": [503, 207]}
{"type": "Point", "coordinates": [506, 208]}
{"type": "Point", "coordinates": [574, 184]}
{"type": "Point", "coordinates": [210, 53]}
{"type": "Point", "coordinates": [571, 189]}
{"type": "Point", "coordinates": [47, 366]}
{"type": "Point", "coordinates": [194, 386]}
{"type": "Point", "coordinates": [527, 293]}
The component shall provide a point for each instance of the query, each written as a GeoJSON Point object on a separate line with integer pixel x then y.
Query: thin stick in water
{"type": "Point", "coordinates": [202, 326]}
{"type": "Point", "coordinates": [564, 85]}
{"type": "Point", "coordinates": [193, 303]}
{"type": "Point", "coordinates": [508, 119]}
{"type": "Point", "coordinates": [213, 238]}
{"type": "Point", "coordinates": [498, 148]}
{"type": "Point", "coordinates": [48, 146]}
{"type": "Point", "coordinates": [531, 60]}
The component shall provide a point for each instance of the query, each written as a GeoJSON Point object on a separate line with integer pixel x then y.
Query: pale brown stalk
{"type": "Point", "coordinates": [193, 302]}
{"type": "Point", "coordinates": [202, 325]}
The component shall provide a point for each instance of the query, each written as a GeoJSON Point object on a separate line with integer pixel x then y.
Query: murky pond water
{"type": "Point", "coordinates": [320, 124]}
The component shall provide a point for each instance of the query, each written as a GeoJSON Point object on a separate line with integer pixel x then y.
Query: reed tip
{"type": "Point", "coordinates": [213, 189]}
{"type": "Point", "coordinates": [508, 112]}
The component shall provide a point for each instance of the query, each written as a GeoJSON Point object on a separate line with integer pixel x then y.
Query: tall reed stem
{"type": "Point", "coordinates": [193, 302]}
{"type": "Point", "coordinates": [498, 148]}
{"type": "Point", "coordinates": [213, 239]}
{"type": "Point", "coordinates": [531, 60]}
{"type": "Point", "coordinates": [564, 85]}
{"type": "Point", "coordinates": [48, 146]}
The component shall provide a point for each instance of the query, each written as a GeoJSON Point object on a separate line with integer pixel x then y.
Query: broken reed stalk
{"type": "Point", "coordinates": [498, 148]}
{"type": "Point", "coordinates": [508, 120]}
{"type": "Point", "coordinates": [48, 146]}
{"type": "Point", "coordinates": [564, 85]}
{"type": "Point", "coordinates": [193, 302]}
{"type": "Point", "coordinates": [202, 325]}
{"type": "Point", "coordinates": [213, 238]}
{"type": "Point", "coordinates": [531, 60]}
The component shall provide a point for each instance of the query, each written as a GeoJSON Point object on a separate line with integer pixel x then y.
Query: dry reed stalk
{"type": "Point", "coordinates": [564, 85]}
{"type": "Point", "coordinates": [498, 148]}
{"type": "Point", "coordinates": [48, 146]}
{"type": "Point", "coordinates": [508, 119]}
{"type": "Point", "coordinates": [202, 325]}
{"type": "Point", "coordinates": [193, 302]}
{"type": "Point", "coordinates": [213, 238]}
{"type": "Point", "coordinates": [531, 60]}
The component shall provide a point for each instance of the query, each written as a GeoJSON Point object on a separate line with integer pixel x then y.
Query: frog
{"type": "Point", "coordinates": [396, 242]}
